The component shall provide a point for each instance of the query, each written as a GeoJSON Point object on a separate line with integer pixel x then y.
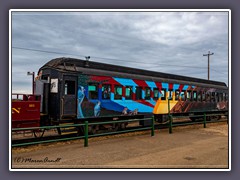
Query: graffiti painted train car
{"type": "Point", "coordinates": [81, 89]}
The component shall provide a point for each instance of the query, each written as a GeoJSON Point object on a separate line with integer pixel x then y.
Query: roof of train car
{"type": "Point", "coordinates": [79, 65]}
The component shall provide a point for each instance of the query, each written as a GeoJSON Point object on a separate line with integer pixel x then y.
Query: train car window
{"type": "Point", "coordinates": [163, 94]}
{"type": "Point", "coordinates": [220, 97]}
{"type": "Point", "coordinates": [177, 94]}
{"type": "Point", "coordinates": [93, 91]}
{"type": "Point", "coordinates": [217, 97]}
{"type": "Point", "coordinates": [194, 96]}
{"type": "Point", "coordinates": [106, 91]}
{"type": "Point", "coordinates": [138, 93]}
{"type": "Point", "coordinates": [128, 92]}
{"type": "Point", "coordinates": [203, 96]}
{"type": "Point", "coordinates": [183, 96]}
{"type": "Point", "coordinates": [225, 97]}
{"type": "Point", "coordinates": [44, 77]}
{"type": "Point", "coordinates": [69, 87]}
{"type": "Point", "coordinates": [213, 98]}
{"type": "Point", "coordinates": [199, 96]}
{"type": "Point", "coordinates": [155, 93]}
{"type": "Point", "coordinates": [189, 95]}
{"type": "Point", "coordinates": [208, 97]}
{"type": "Point", "coordinates": [147, 93]}
{"type": "Point", "coordinates": [170, 94]}
{"type": "Point", "coordinates": [117, 92]}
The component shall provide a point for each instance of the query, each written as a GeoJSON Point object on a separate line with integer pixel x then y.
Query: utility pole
{"type": "Point", "coordinates": [209, 54]}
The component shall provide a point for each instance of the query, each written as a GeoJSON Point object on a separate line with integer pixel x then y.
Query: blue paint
{"type": "Point", "coordinates": [134, 90]}
{"type": "Point", "coordinates": [165, 86]}
{"type": "Point", "coordinates": [132, 105]}
{"type": "Point", "coordinates": [81, 96]}
{"type": "Point", "coordinates": [185, 87]}
{"type": "Point", "coordinates": [112, 96]}
{"type": "Point", "coordinates": [100, 94]}
{"type": "Point", "coordinates": [152, 102]}
{"type": "Point", "coordinates": [176, 86]}
{"type": "Point", "coordinates": [151, 84]}
{"type": "Point", "coordinates": [143, 94]}
{"type": "Point", "coordinates": [86, 91]}
{"type": "Point", "coordinates": [125, 82]}
{"type": "Point", "coordinates": [111, 105]}
{"type": "Point", "coordinates": [97, 109]}
{"type": "Point", "coordinates": [119, 105]}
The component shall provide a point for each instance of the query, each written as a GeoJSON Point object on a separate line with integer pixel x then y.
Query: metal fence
{"type": "Point", "coordinates": [204, 122]}
{"type": "Point", "coordinates": [86, 125]}
{"type": "Point", "coordinates": [86, 135]}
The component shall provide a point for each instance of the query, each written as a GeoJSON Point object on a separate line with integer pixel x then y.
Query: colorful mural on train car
{"type": "Point", "coordinates": [104, 95]}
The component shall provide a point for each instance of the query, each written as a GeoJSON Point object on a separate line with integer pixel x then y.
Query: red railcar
{"type": "Point", "coordinates": [25, 110]}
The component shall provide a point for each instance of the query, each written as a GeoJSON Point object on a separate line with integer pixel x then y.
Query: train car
{"type": "Point", "coordinates": [75, 89]}
{"type": "Point", "coordinates": [26, 112]}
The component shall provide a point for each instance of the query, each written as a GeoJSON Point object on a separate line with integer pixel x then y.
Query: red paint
{"type": "Point", "coordinates": [112, 88]}
{"type": "Point", "coordinates": [124, 91]}
{"type": "Point", "coordinates": [145, 103]}
{"type": "Point", "coordinates": [159, 85]}
{"type": "Point", "coordinates": [26, 113]}
{"type": "Point", "coordinates": [151, 93]}
{"type": "Point", "coordinates": [104, 80]}
{"type": "Point", "coordinates": [140, 83]}
{"type": "Point", "coordinates": [181, 87]}
{"type": "Point", "coordinates": [142, 101]}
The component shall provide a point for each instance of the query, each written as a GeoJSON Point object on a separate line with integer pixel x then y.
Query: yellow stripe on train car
{"type": "Point", "coordinates": [161, 106]}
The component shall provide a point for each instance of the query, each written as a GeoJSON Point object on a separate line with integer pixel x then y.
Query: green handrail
{"type": "Point", "coordinates": [170, 120]}
{"type": "Point", "coordinates": [86, 133]}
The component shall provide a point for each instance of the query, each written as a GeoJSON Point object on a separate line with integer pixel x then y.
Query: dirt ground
{"type": "Point", "coordinates": [187, 147]}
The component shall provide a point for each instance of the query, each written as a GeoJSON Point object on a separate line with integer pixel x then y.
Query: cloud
{"type": "Point", "coordinates": [159, 41]}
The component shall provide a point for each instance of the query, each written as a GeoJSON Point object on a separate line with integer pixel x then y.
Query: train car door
{"type": "Point", "coordinates": [69, 96]}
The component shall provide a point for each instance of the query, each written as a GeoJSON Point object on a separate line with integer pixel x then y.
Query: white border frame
{"type": "Point", "coordinates": [118, 10]}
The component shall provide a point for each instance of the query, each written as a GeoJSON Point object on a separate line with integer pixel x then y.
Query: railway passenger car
{"type": "Point", "coordinates": [75, 89]}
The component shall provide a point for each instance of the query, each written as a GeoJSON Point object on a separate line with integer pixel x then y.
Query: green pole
{"type": "Point", "coordinates": [170, 124]}
{"type": "Point", "coordinates": [168, 107]}
{"type": "Point", "coordinates": [152, 130]}
{"type": "Point", "coordinates": [86, 134]}
{"type": "Point", "coordinates": [204, 120]}
{"type": "Point", "coordinates": [169, 118]}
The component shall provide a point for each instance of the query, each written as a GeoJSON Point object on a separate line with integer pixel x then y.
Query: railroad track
{"type": "Point", "coordinates": [51, 137]}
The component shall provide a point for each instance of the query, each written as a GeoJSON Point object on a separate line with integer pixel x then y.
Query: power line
{"type": "Point", "coordinates": [112, 59]}
{"type": "Point", "coordinates": [219, 71]}
{"type": "Point", "coordinates": [44, 51]}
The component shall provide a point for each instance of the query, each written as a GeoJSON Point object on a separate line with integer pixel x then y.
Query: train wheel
{"type": "Point", "coordinates": [38, 133]}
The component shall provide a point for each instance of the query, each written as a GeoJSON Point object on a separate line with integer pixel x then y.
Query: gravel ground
{"type": "Point", "coordinates": [187, 147]}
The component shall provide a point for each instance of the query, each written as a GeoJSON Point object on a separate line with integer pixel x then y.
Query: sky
{"type": "Point", "coordinates": [165, 41]}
